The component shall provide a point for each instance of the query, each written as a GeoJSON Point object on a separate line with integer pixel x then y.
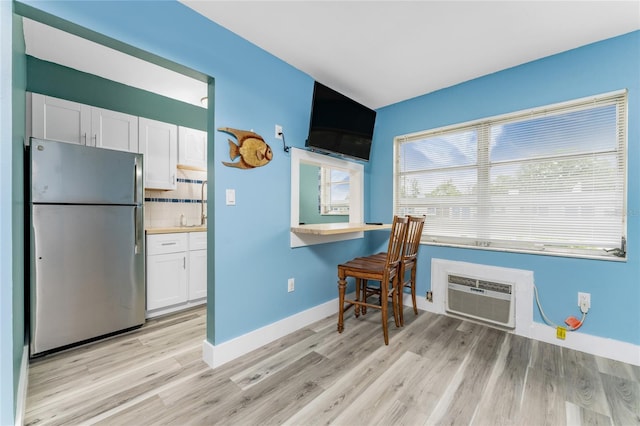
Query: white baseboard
{"type": "Point", "coordinates": [594, 345]}
{"type": "Point", "coordinates": [175, 308]}
{"type": "Point", "coordinates": [216, 355]}
{"type": "Point", "coordinates": [21, 404]}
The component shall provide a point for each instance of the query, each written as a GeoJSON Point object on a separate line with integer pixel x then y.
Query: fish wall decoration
{"type": "Point", "coordinates": [251, 148]}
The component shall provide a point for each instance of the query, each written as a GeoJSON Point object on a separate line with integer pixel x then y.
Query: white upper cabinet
{"type": "Point", "coordinates": [159, 144]}
{"type": "Point", "coordinates": [113, 130]}
{"type": "Point", "coordinates": [73, 122]}
{"type": "Point", "coordinates": [192, 148]}
{"type": "Point", "coordinates": [60, 120]}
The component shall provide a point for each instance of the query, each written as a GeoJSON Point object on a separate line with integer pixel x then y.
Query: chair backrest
{"type": "Point", "coordinates": [396, 240]}
{"type": "Point", "coordinates": [414, 233]}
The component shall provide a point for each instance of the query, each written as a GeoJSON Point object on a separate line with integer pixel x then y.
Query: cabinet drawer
{"type": "Point", "coordinates": [166, 243]}
{"type": "Point", "coordinates": [197, 241]}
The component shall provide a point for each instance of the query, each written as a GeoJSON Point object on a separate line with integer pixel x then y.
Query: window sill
{"type": "Point", "coordinates": [607, 258]}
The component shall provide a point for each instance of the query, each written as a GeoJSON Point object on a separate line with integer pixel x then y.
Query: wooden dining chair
{"type": "Point", "coordinates": [385, 272]}
{"type": "Point", "coordinates": [408, 264]}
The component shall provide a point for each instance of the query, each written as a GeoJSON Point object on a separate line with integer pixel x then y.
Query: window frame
{"type": "Point", "coordinates": [483, 172]}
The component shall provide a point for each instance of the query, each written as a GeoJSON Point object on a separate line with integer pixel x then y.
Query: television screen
{"type": "Point", "coordinates": [339, 124]}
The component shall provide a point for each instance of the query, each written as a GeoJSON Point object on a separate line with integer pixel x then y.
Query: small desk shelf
{"type": "Point", "coordinates": [337, 228]}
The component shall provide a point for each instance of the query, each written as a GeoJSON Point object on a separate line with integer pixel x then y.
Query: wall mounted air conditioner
{"type": "Point", "coordinates": [480, 299]}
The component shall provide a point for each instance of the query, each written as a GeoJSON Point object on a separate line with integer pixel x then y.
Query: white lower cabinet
{"type": "Point", "coordinates": [197, 265]}
{"type": "Point", "coordinates": [176, 271]}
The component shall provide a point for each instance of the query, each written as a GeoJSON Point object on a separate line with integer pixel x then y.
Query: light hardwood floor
{"type": "Point", "coordinates": [436, 370]}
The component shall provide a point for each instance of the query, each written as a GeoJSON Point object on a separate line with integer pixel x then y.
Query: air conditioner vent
{"type": "Point", "coordinates": [469, 282]}
{"type": "Point", "coordinates": [482, 299]}
{"type": "Point", "coordinates": [499, 287]}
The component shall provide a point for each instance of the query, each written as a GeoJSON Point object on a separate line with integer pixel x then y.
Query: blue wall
{"type": "Point", "coordinates": [12, 278]}
{"type": "Point", "coordinates": [602, 67]}
{"type": "Point", "coordinates": [249, 247]}
{"type": "Point", "coordinates": [7, 390]}
{"type": "Point", "coordinates": [250, 255]}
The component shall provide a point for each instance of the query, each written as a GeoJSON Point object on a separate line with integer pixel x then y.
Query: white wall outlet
{"type": "Point", "coordinates": [291, 285]}
{"type": "Point", "coordinates": [584, 301]}
{"type": "Point", "coordinates": [278, 131]}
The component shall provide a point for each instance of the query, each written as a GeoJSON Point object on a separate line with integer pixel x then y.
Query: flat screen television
{"type": "Point", "coordinates": [340, 125]}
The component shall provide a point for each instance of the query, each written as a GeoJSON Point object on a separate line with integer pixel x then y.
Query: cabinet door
{"type": "Point", "coordinates": [192, 148]}
{"type": "Point", "coordinates": [166, 280]}
{"type": "Point", "coordinates": [113, 130]}
{"type": "Point", "coordinates": [197, 274]}
{"type": "Point", "coordinates": [159, 144]}
{"type": "Point", "coordinates": [59, 119]}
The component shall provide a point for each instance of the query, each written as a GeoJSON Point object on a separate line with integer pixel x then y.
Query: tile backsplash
{"type": "Point", "coordinates": [163, 208]}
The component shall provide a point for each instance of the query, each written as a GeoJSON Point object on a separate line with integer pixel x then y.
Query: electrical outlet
{"type": "Point", "coordinates": [291, 285]}
{"type": "Point", "coordinates": [584, 301]}
{"type": "Point", "coordinates": [278, 131]}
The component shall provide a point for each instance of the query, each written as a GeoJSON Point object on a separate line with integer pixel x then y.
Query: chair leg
{"type": "Point", "coordinates": [356, 309]}
{"type": "Point", "coordinates": [397, 301]}
{"type": "Point", "coordinates": [364, 296]}
{"type": "Point", "coordinates": [385, 311]}
{"type": "Point", "coordinates": [400, 293]}
{"type": "Point", "coordinates": [400, 304]}
{"type": "Point", "coordinates": [413, 290]}
{"type": "Point", "coordinates": [342, 285]}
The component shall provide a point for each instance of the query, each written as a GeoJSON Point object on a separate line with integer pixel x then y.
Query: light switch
{"type": "Point", "coordinates": [231, 197]}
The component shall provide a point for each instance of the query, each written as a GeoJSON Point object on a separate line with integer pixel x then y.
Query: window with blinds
{"type": "Point", "coordinates": [549, 180]}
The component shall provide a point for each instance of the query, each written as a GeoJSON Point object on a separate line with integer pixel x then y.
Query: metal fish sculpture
{"type": "Point", "coordinates": [251, 148]}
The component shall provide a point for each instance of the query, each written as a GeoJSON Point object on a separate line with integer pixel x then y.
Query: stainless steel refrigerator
{"type": "Point", "coordinates": [87, 243]}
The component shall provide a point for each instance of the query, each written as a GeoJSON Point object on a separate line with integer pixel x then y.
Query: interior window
{"type": "Point", "coordinates": [342, 187]}
{"type": "Point", "coordinates": [334, 191]}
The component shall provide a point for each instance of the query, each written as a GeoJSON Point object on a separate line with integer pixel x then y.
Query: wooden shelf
{"type": "Point", "coordinates": [337, 228]}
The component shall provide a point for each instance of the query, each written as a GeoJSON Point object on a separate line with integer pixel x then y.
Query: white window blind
{"type": "Point", "coordinates": [549, 180]}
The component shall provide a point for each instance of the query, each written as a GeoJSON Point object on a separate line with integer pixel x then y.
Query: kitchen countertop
{"type": "Point", "coordinates": [175, 229]}
{"type": "Point", "coordinates": [338, 228]}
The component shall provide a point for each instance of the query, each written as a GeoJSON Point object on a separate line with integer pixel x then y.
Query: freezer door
{"type": "Point", "coordinates": [87, 279]}
{"type": "Point", "coordinates": [64, 173]}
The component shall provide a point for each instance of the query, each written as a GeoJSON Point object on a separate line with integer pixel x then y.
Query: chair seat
{"type": "Point", "coordinates": [364, 265]}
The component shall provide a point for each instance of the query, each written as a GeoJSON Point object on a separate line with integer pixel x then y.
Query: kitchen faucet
{"type": "Point", "coordinates": [203, 217]}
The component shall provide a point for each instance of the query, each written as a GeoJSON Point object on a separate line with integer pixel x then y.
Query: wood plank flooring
{"type": "Point", "coordinates": [436, 370]}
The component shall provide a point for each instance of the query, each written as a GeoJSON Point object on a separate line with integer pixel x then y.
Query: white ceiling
{"type": "Point", "coordinates": [382, 52]}
{"type": "Point", "coordinates": [50, 44]}
{"type": "Point", "coordinates": [376, 52]}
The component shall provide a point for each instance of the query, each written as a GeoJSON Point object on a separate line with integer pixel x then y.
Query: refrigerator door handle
{"type": "Point", "coordinates": [137, 181]}
{"type": "Point", "coordinates": [137, 199]}
{"type": "Point", "coordinates": [138, 230]}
